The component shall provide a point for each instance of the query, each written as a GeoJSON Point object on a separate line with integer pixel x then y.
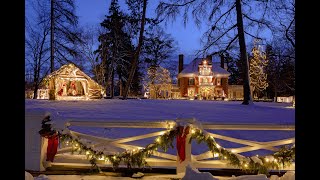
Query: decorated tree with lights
{"type": "Point", "coordinates": [258, 76]}
{"type": "Point", "coordinates": [158, 78]}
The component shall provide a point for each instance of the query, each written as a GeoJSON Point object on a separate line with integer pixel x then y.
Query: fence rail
{"type": "Point", "coordinates": [161, 159]}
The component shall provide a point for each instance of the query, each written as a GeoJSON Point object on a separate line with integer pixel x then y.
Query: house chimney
{"type": "Point", "coordinates": [222, 61]}
{"type": "Point", "coordinates": [209, 58]}
{"type": "Point", "coordinates": [180, 62]}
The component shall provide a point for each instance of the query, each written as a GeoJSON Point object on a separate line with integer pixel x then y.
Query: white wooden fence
{"type": "Point", "coordinates": [166, 160]}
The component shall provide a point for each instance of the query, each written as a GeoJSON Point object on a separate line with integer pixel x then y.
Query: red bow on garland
{"type": "Point", "coordinates": [52, 147]}
{"type": "Point", "coordinates": [181, 142]}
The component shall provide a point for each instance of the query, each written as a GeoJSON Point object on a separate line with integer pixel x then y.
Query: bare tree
{"type": "Point", "coordinates": [88, 52]}
{"type": "Point", "coordinates": [157, 79]}
{"type": "Point", "coordinates": [283, 13]}
{"type": "Point", "coordinates": [158, 48]}
{"type": "Point", "coordinates": [229, 22]}
{"type": "Point", "coordinates": [37, 48]}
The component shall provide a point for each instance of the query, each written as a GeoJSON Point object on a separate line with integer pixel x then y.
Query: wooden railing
{"type": "Point", "coordinates": [167, 160]}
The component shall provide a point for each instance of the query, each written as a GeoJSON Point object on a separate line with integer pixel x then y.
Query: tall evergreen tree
{"type": "Point", "coordinates": [233, 68]}
{"type": "Point", "coordinates": [116, 43]}
{"type": "Point", "coordinates": [135, 7]}
{"type": "Point", "coordinates": [64, 32]}
{"type": "Point", "coordinates": [273, 71]}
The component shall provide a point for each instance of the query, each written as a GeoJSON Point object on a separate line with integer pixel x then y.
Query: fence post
{"type": "Point", "coordinates": [35, 145]}
{"type": "Point", "coordinates": [181, 167]}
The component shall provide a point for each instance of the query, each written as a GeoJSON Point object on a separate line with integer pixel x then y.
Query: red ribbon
{"type": "Point", "coordinates": [52, 147]}
{"type": "Point", "coordinates": [181, 142]}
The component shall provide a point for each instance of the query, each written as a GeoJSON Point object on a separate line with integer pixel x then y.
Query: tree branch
{"type": "Point", "coordinates": [235, 25]}
{"type": "Point", "coordinates": [257, 21]}
{"type": "Point", "coordinates": [223, 14]}
{"type": "Point", "coordinates": [177, 5]}
{"type": "Point", "coordinates": [236, 37]}
{"type": "Point", "coordinates": [287, 31]}
{"type": "Point", "coordinates": [252, 35]}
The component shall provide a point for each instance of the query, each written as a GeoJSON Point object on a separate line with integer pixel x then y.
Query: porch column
{"type": "Point", "coordinates": [35, 145]}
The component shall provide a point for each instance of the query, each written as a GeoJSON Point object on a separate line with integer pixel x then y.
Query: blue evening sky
{"type": "Point", "coordinates": [92, 12]}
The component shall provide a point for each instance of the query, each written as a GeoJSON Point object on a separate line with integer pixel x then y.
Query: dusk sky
{"type": "Point", "coordinates": [92, 13]}
{"type": "Point", "coordinates": [188, 38]}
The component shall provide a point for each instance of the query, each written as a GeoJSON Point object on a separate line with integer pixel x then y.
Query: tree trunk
{"type": "Point", "coordinates": [35, 91]}
{"type": "Point", "coordinates": [137, 53]}
{"type": "Point", "coordinates": [112, 84]}
{"type": "Point", "coordinates": [51, 38]}
{"type": "Point", "coordinates": [52, 91]}
{"type": "Point", "coordinates": [120, 85]}
{"type": "Point", "coordinates": [106, 77]}
{"type": "Point", "coordinates": [106, 69]}
{"type": "Point", "coordinates": [275, 94]}
{"type": "Point", "coordinates": [247, 99]}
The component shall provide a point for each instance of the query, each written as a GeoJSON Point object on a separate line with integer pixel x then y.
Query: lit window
{"type": "Point", "coordinates": [218, 82]}
{"type": "Point", "coordinates": [191, 81]}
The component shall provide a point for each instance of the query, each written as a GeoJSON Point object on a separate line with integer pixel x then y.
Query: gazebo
{"type": "Point", "coordinates": [70, 83]}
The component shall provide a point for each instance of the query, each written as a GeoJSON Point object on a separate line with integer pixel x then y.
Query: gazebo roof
{"type": "Point", "coordinates": [71, 71]}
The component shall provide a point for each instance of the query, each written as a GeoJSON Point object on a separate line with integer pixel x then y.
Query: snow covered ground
{"type": "Point", "coordinates": [189, 175]}
{"type": "Point", "coordinates": [160, 110]}
{"type": "Point", "coordinates": [154, 110]}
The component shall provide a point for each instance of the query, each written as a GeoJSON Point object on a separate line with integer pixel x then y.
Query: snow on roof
{"type": "Point", "coordinates": [72, 71]}
{"type": "Point", "coordinates": [192, 68]}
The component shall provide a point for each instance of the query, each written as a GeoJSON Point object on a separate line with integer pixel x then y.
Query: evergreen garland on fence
{"type": "Point", "coordinates": [136, 158]}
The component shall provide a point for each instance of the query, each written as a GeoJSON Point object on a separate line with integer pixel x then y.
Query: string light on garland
{"type": "Point", "coordinates": [137, 156]}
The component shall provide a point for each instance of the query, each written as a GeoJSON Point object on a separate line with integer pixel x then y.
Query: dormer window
{"type": "Point", "coordinates": [218, 81]}
{"type": "Point", "coordinates": [191, 81]}
{"type": "Point", "coordinates": [205, 68]}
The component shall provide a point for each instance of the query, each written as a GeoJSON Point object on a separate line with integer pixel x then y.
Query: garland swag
{"type": "Point", "coordinates": [136, 158]}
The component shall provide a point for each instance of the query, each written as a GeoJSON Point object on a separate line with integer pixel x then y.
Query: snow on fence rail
{"type": "Point", "coordinates": [166, 160]}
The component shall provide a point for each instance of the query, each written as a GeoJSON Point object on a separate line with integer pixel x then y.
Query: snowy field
{"type": "Point", "coordinates": [222, 112]}
{"type": "Point", "coordinates": [160, 110]}
{"type": "Point", "coordinates": [157, 110]}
